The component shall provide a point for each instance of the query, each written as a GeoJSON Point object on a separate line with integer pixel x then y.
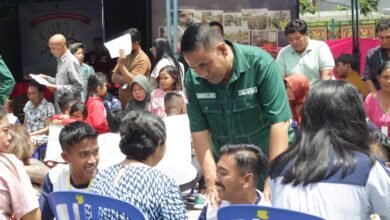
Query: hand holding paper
{"type": "Point", "coordinates": [40, 79]}
{"type": "Point", "coordinates": [122, 57]}
{"type": "Point", "coordinates": [122, 42]}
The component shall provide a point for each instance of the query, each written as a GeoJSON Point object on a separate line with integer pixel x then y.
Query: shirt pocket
{"type": "Point", "coordinates": [247, 116]}
{"type": "Point", "coordinates": [212, 109]}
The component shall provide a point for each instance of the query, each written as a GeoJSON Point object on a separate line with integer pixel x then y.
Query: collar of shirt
{"type": "Point", "coordinates": [63, 57]}
{"type": "Point", "coordinates": [240, 64]}
{"type": "Point", "coordinates": [383, 55]}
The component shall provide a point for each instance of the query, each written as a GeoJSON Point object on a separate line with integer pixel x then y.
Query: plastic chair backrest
{"type": "Point", "coordinates": [252, 212]}
{"type": "Point", "coordinates": [79, 200]}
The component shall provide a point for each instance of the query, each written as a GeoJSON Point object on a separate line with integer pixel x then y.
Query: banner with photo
{"type": "Point", "coordinates": [78, 21]}
{"type": "Point", "coordinates": [365, 30]}
{"type": "Point", "coordinates": [238, 17]}
{"type": "Point", "coordinates": [318, 33]}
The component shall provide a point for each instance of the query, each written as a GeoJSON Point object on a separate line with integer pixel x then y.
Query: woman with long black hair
{"type": "Point", "coordinates": [163, 55]}
{"type": "Point", "coordinates": [330, 172]}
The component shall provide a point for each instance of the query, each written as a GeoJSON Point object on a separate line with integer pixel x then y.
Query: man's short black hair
{"type": "Point", "coordinates": [296, 25]}
{"type": "Point", "coordinates": [170, 95]}
{"type": "Point", "coordinates": [382, 25]}
{"type": "Point", "coordinates": [197, 35]}
{"type": "Point", "coordinates": [346, 58]}
{"type": "Point", "coordinates": [216, 23]}
{"type": "Point", "coordinates": [135, 35]}
{"type": "Point", "coordinates": [249, 158]}
{"type": "Point", "coordinates": [74, 133]}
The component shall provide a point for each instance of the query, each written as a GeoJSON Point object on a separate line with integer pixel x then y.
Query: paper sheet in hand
{"type": "Point", "coordinates": [122, 42]}
{"type": "Point", "coordinates": [39, 79]}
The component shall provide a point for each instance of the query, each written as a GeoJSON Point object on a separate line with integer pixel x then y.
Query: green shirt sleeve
{"type": "Point", "coordinates": [7, 82]}
{"type": "Point", "coordinates": [272, 92]}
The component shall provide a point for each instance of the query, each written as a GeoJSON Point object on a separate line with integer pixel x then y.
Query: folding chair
{"type": "Point", "coordinates": [73, 205]}
{"type": "Point", "coordinates": [256, 212]}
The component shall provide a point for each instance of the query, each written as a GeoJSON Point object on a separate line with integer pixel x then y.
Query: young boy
{"type": "Point", "coordinates": [80, 150]}
{"type": "Point", "coordinates": [177, 158]}
{"type": "Point", "coordinates": [345, 69]}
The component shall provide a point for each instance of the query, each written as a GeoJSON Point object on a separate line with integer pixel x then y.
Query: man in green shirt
{"type": "Point", "coordinates": [7, 82]}
{"type": "Point", "coordinates": [235, 95]}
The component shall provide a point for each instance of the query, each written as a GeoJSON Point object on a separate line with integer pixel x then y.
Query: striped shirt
{"type": "Point", "coordinates": [354, 198]}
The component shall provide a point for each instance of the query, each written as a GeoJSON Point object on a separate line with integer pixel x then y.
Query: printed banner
{"type": "Point", "coordinates": [78, 21]}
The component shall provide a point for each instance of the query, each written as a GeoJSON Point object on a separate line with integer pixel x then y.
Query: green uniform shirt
{"type": "Point", "coordinates": [243, 110]}
{"type": "Point", "coordinates": [7, 82]}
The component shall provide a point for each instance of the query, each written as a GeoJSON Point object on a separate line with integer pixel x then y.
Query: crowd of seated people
{"type": "Point", "coordinates": [141, 144]}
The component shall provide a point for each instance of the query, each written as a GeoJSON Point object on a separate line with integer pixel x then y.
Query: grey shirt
{"type": "Point", "coordinates": [68, 78]}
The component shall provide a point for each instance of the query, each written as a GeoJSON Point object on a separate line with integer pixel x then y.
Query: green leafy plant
{"type": "Point", "coordinates": [367, 6]}
{"type": "Point", "coordinates": [306, 6]}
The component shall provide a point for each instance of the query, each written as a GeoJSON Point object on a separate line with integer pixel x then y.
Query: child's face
{"type": "Point", "coordinates": [102, 90]}
{"type": "Point", "coordinates": [166, 82]}
{"type": "Point", "coordinates": [83, 160]}
{"type": "Point", "coordinates": [341, 69]}
{"type": "Point", "coordinates": [78, 116]}
{"type": "Point", "coordinates": [139, 93]}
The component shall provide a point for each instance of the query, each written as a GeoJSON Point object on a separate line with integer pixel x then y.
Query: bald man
{"type": "Point", "coordinates": [68, 78]}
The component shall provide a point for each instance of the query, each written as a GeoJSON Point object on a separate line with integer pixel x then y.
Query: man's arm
{"type": "Point", "coordinates": [325, 62]}
{"type": "Point", "coordinates": [204, 154]}
{"type": "Point", "coordinates": [120, 73]}
{"type": "Point", "coordinates": [278, 141]}
{"type": "Point", "coordinates": [7, 82]}
{"type": "Point", "coordinates": [75, 82]}
{"type": "Point", "coordinates": [280, 60]}
{"type": "Point", "coordinates": [116, 76]}
{"type": "Point", "coordinates": [367, 74]}
{"type": "Point", "coordinates": [326, 74]}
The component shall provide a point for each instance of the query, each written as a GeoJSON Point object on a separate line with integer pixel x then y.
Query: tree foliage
{"type": "Point", "coordinates": [306, 6]}
{"type": "Point", "coordinates": [366, 6]}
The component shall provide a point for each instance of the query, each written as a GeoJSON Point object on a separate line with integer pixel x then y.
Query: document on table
{"type": "Point", "coordinates": [39, 79]}
{"type": "Point", "coordinates": [122, 42]}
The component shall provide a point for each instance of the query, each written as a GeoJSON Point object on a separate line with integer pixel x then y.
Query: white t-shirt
{"type": "Point", "coordinates": [177, 158]}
